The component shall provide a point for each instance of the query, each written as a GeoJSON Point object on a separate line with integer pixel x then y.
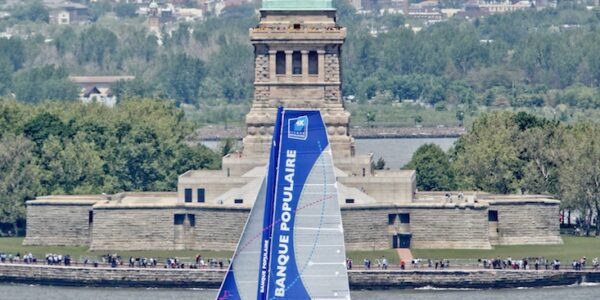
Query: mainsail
{"type": "Point", "coordinates": [292, 246]}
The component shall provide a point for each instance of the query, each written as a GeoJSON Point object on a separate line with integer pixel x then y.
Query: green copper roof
{"type": "Point", "coordinates": [297, 5]}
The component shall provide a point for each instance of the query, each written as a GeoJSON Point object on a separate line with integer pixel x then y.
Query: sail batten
{"type": "Point", "coordinates": [297, 221]}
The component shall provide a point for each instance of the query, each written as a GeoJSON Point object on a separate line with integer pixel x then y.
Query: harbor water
{"type": "Point", "coordinates": [14, 291]}
{"type": "Point", "coordinates": [396, 152]}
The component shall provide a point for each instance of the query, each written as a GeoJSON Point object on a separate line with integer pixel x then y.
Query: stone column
{"type": "Point", "coordinates": [272, 65]}
{"type": "Point", "coordinates": [321, 64]}
{"type": "Point", "coordinates": [304, 65]}
{"type": "Point", "coordinates": [288, 64]}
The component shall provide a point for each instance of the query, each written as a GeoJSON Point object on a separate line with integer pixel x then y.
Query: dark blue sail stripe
{"type": "Point", "coordinates": [263, 276]}
{"type": "Point", "coordinates": [229, 290]}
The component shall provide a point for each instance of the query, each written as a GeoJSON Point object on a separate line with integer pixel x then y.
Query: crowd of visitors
{"type": "Point", "coordinates": [534, 263]}
{"type": "Point", "coordinates": [210, 262]}
{"type": "Point", "coordinates": [580, 264]}
{"type": "Point", "coordinates": [27, 258]}
{"type": "Point", "coordinates": [57, 259]}
{"type": "Point", "coordinates": [142, 262]}
{"type": "Point", "coordinates": [530, 263]}
{"type": "Point", "coordinates": [115, 260]}
{"type": "Point", "coordinates": [382, 263]}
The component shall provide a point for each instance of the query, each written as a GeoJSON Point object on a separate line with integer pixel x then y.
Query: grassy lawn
{"type": "Point", "coordinates": [14, 245]}
{"type": "Point", "coordinates": [388, 115]}
{"type": "Point", "coordinates": [403, 115]}
{"type": "Point", "coordinates": [573, 248]}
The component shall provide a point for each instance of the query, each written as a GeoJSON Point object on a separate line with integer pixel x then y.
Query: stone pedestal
{"type": "Point", "coordinates": [307, 35]}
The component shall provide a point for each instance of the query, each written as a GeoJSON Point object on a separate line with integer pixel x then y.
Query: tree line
{"type": "Point", "coordinates": [52, 148]}
{"type": "Point", "coordinates": [211, 60]}
{"type": "Point", "coordinates": [519, 153]}
{"type": "Point", "coordinates": [527, 58]}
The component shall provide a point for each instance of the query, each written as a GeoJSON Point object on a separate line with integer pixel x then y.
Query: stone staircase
{"type": "Point", "coordinates": [405, 254]}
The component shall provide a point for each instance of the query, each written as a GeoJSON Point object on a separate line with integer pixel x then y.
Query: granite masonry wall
{"type": "Point", "coordinates": [133, 229]}
{"type": "Point", "coordinates": [450, 226]}
{"type": "Point", "coordinates": [155, 228]}
{"type": "Point", "coordinates": [332, 65]}
{"type": "Point", "coordinates": [219, 229]}
{"type": "Point", "coordinates": [109, 277]}
{"type": "Point", "coordinates": [366, 229]}
{"type": "Point", "coordinates": [375, 279]}
{"type": "Point", "coordinates": [460, 226]}
{"type": "Point", "coordinates": [473, 279]}
{"type": "Point", "coordinates": [527, 223]}
{"type": "Point", "coordinates": [61, 225]}
{"type": "Point", "coordinates": [432, 226]}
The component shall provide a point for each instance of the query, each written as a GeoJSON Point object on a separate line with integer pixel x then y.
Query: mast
{"type": "Point", "coordinates": [263, 276]}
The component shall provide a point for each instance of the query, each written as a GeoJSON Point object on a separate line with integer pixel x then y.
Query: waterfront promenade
{"type": "Point", "coordinates": [104, 276]}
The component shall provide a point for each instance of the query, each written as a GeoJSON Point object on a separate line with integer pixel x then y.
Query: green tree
{"type": "Point", "coordinates": [542, 149]}
{"type": "Point", "coordinates": [182, 76]}
{"type": "Point", "coordinates": [98, 9]}
{"type": "Point", "coordinates": [140, 88]}
{"type": "Point", "coordinates": [43, 126]}
{"type": "Point", "coordinates": [96, 44]}
{"type": "Point", "coordinates": [72, 167]}
{"type": "Point", "coordinates": [6, 70]}
{"type": "Point", "coordinates": [19, 179]}
{"type": "Point", "coordinates": [460, 117]}
{"type": "Point", "coordinates": [370, 115]}
{"type": "Point", "coordinates": [379, 165]}
{"type": "Point", "coordinates": [487, 157]}
{"type": "Point", "coordinates": [13, 51]}
{"type": "Point", "coordinates": [418, 119]}
{"type": "Point", "coordinates": [44, 83]}
{"type": "Point", "coordinates": [66, 41]}
{"type": "Point", "coordinates": [126, 10]}
{"type": "Point", "coordinates": [580, 173]}
{"type": "Point", "coordinates": [13, 116]}
{"type": "Point", "coordinates": [232, 70]}
{"type": "Point", "coordinates": [181, 36]}
{"type": "Point", "coordinates": [432, 165]}
{"type": "Point", "coordinates": [33, 11]}
{"type": "Point", "coordinates": [227, 146]}
{"type": "Point", "coordinates": [75, 148]}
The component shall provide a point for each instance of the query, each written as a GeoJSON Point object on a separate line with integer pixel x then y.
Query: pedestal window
{"type": "Point", "coordinates": [280, 63]}
{"type": "Point", "coordinates": [296, 63]}
{"type": "Point", "coordinates": [313, 63]}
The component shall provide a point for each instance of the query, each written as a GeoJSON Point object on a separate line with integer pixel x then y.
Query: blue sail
{"type": "Point", "coordinates": [301, 253]}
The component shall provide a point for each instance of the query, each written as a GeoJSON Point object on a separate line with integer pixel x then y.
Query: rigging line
{"type": "Point", "coordinates": [259, 235]}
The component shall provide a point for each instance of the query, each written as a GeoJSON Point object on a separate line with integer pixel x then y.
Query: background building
{"type": "Point", "coordinates": [97, 88]}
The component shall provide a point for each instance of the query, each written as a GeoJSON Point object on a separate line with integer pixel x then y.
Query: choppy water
{"type": "Point", "coordinates": [9, 291]}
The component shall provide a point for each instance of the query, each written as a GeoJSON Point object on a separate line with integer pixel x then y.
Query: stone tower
{"type": "Point", "coordinates": [297, 47]}
{"type": "Point", "coordinates": [154, 17]}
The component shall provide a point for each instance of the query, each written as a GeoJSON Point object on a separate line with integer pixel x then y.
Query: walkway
{"type": "Point", "coordinates": [405, 254]}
